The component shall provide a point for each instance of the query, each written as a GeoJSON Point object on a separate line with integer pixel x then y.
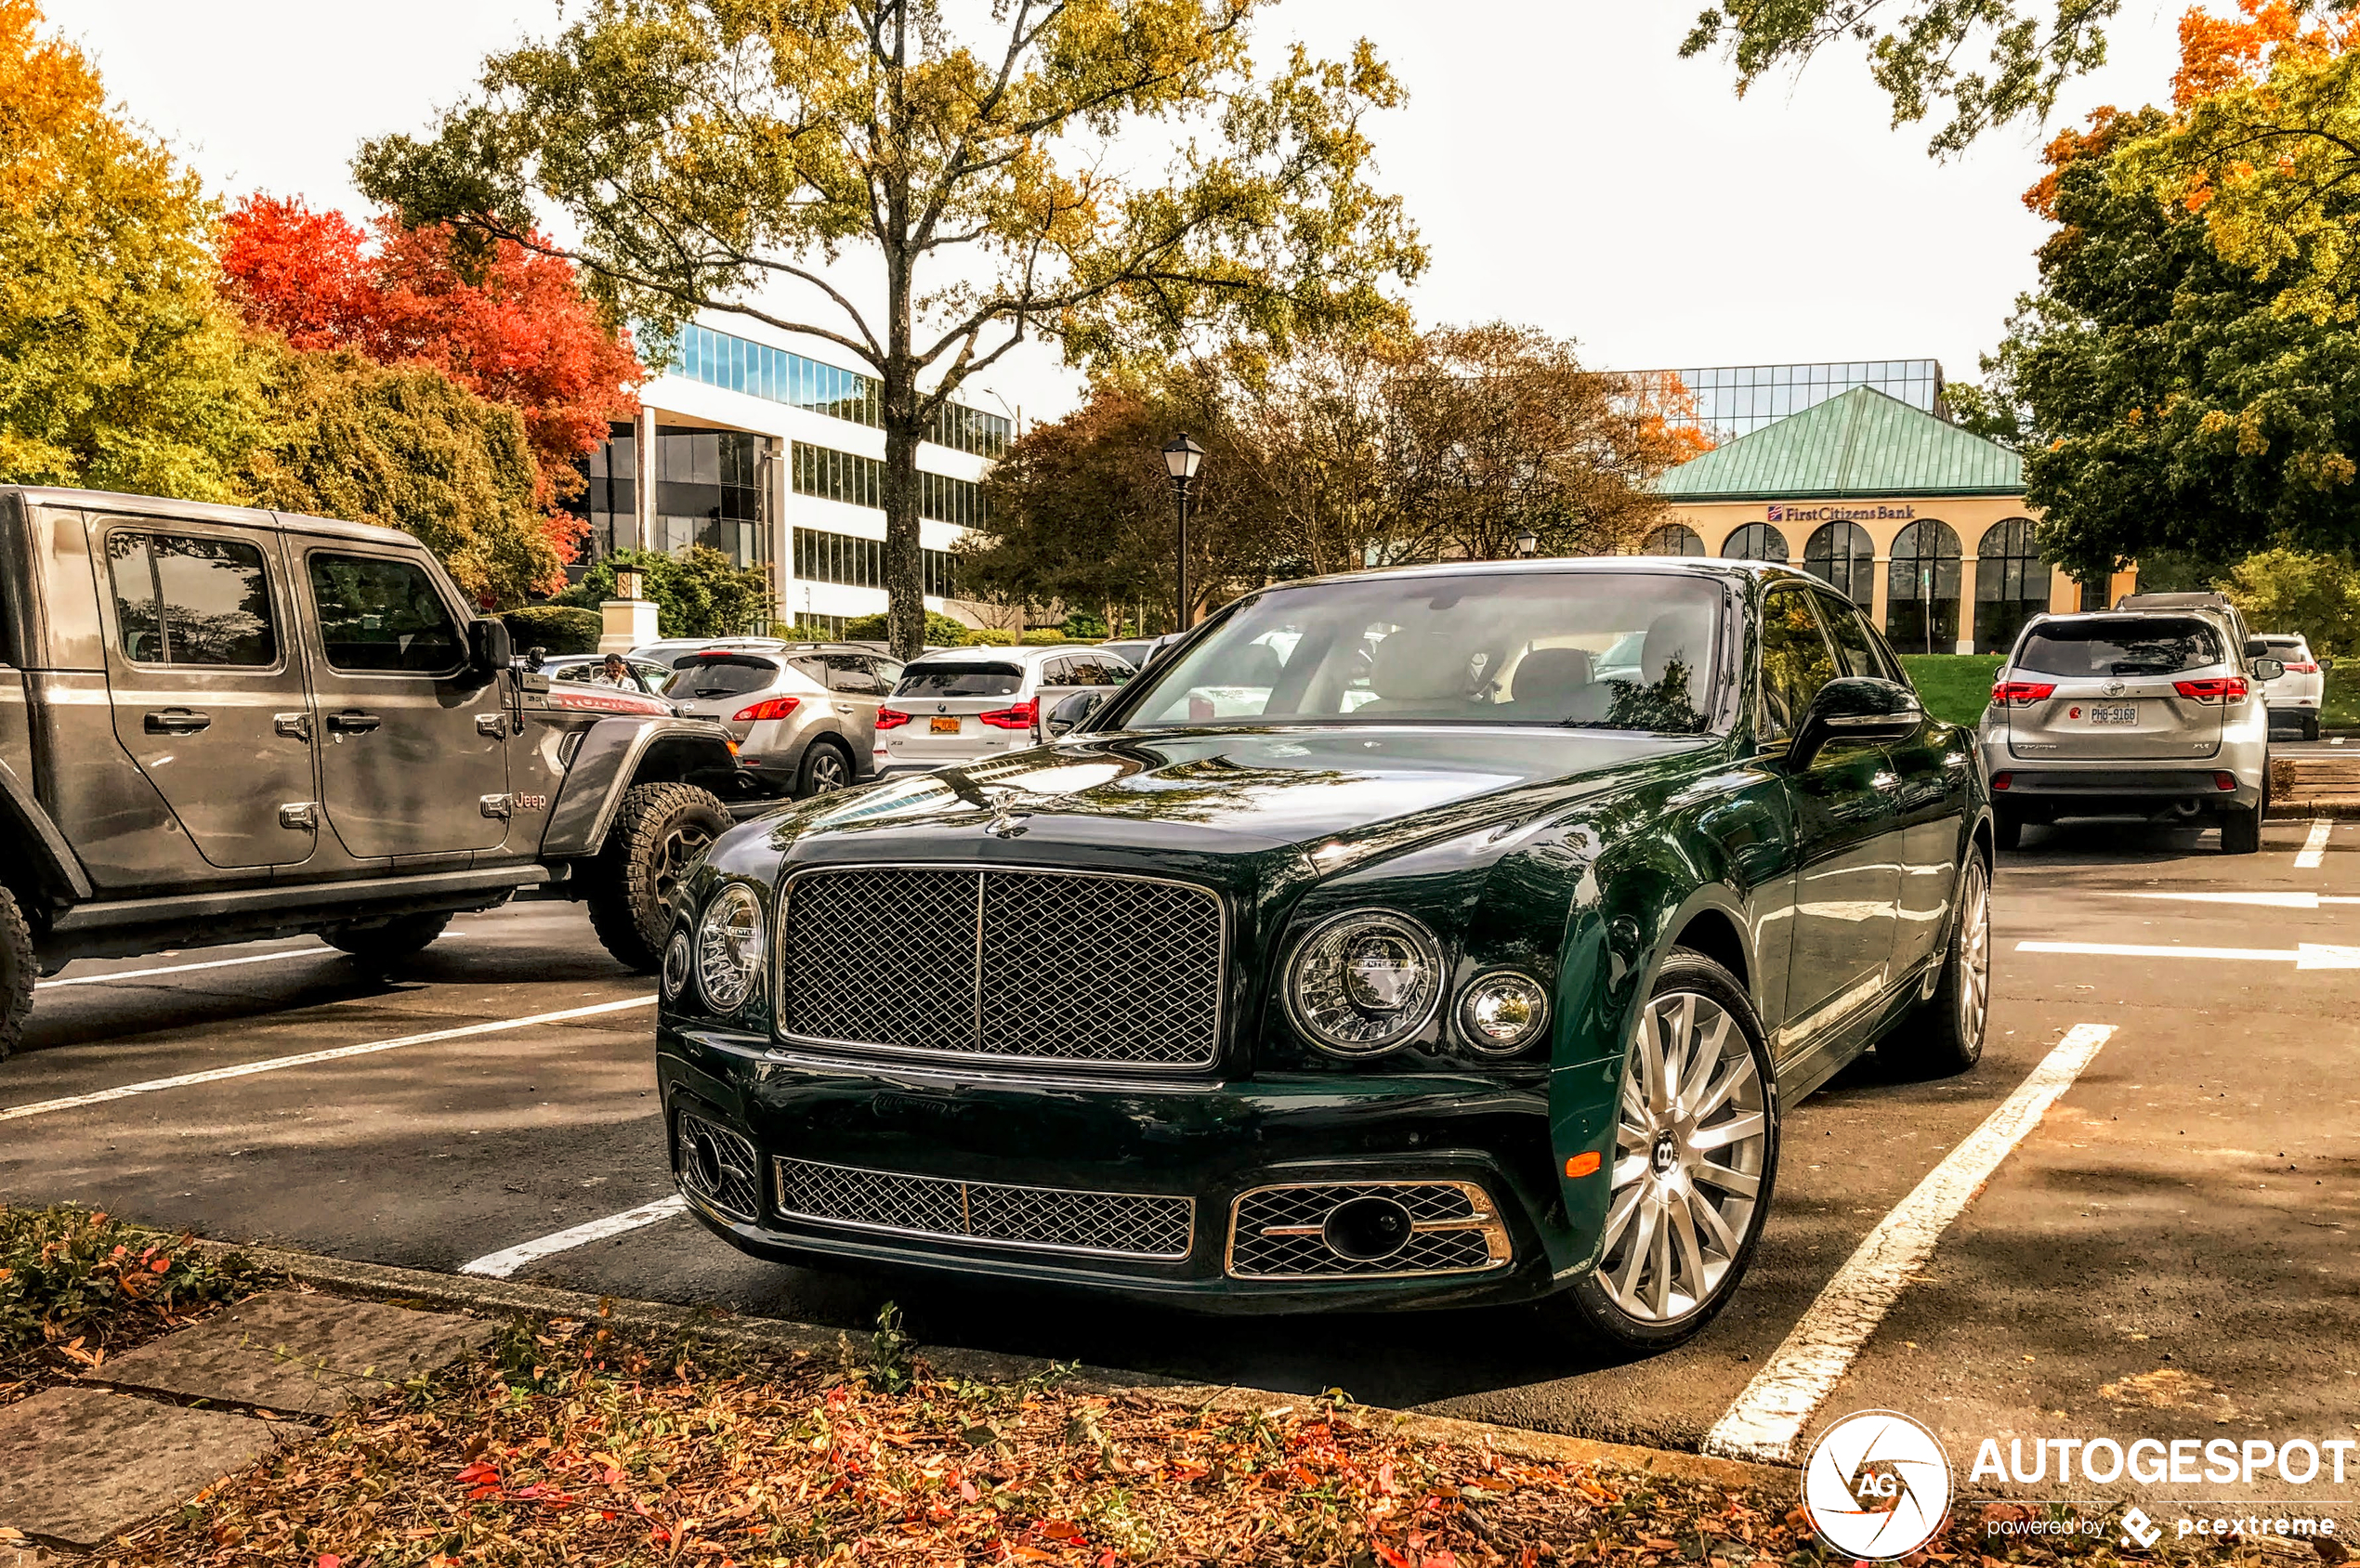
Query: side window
{"type": "Point", "coordinates": [848, 673]}
{"type": "Point", "coordinates": [1054, 670]}
{"type": "Point", "coordinates": [887, 670]}
{"type": "Point", "coordinates": [1117, 671]}
{"type": "Point", "coordinates": [185, 600]}
{"type": "Point", "coordinates": [812, 665]}
{"type": "Point", "coordinates": [1795, 662]}
{"type": "Point", "coordinates": [1087, 672]}
{"type": "Point", "coordinates": [1855, 654]}
{"type": "Point", "coordinates": [378, 614]}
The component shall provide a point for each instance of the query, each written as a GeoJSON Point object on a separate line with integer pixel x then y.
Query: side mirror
{"type": "Point", "coordinates": [2267, 668]}
{"type": "Point", "coordinates": [1855, 708]}
{"type": "Point", "coordinates": [2325, 661]}
{"type": "Point", "coordinates": [489, 648]}
{"type": "Point", "coordinates": [1071, 712]}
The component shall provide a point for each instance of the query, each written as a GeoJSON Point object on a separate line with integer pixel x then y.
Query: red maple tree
{"type": "Point", "coordinates": [522, 333]}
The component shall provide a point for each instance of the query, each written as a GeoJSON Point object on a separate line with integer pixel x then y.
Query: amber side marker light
{"type": "Point", "coordinates": [1582, 1165]}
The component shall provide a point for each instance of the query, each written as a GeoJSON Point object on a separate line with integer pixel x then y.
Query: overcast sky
{"type": "Point", "coordinates": [1567, 168]}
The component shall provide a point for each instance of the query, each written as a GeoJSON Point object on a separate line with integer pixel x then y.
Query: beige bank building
{"type": "Point", "coordinates": [1872, 486]}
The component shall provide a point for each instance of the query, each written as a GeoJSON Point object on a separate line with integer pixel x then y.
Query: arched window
{"type": "Point", "coordinates": [1755, 542]}
{"type": "Point", "coordinates": [1672, 538]}
{"type": "Point", "coordinates": [1922, 589]}
{"type": "Point", "coordinates": [2011, 583]}
{"type": "Point", "coordinates": [1843, 554]}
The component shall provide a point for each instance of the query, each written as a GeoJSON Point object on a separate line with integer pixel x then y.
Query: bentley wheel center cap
{"type": "Point", "coordinates": [1665, 1155]}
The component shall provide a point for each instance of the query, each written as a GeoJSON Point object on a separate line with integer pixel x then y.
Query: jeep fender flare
{"type": "Point", "coordinates": [41, 850]}
{"type": "Point", "coordinates": [613, 756]}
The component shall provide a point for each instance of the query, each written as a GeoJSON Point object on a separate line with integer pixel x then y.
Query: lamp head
{"type": "Point", "coordinates": [1182, 458]}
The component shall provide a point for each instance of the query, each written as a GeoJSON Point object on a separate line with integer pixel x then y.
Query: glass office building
{"type": "Point", "coordinates": [709, 491]}
{"type": "Point", "coordinates": [1734, 400]}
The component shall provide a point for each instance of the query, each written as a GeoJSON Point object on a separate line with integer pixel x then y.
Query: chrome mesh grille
{"type": "Point", "coordinates": [1047, 1218]}
{"type": "Point", "coordinates": [1275, 1232]}
{"type": "Point", "coordinates": [1020, 965]}
{"type": "Point", "coordinates": [718, 1166]}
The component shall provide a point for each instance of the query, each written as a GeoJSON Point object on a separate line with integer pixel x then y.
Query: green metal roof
{"type": "Point", "coordinates": [1860, 443]}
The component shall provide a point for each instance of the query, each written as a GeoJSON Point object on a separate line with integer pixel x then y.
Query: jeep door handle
{"type": "Point", "coordinates": [350, 722]}
{"type": "Point", "coordinates": [177, 721]}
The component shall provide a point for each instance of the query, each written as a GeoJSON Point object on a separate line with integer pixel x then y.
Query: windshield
{"type": "Point", "coordinates": [722, 674]}
{"type": "Point", "coordinates": [962, 679]}
{"type": "Point", "coordinates": [2147, 645]}
{"type": "Point", "coordinates": [1590, 650]}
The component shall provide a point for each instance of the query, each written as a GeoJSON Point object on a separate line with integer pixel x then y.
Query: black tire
{"type": "Point", "coordinates": [1668, 1173]}
{"type": "Point", "coordinates": [2007, 827]}
{"type": "Point", "coordinates": [2241, 831]}
{"type": "Point", "coordinates": [657, 835]}
{"type": "Point", "coordinates": [827, 765]}
{"type": "Point", "coordinates": [1944, 1034]}
{"type": "Point", "coordinates": [18, 969]}
{"type": "Point", "coordinates": [2310, 727]}
{"type": "Point", "coordinates": [401, 937]}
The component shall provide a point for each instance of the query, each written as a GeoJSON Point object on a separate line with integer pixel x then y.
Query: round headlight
{"type": "Point", "coordinates": [1364, 982]}
{"type": "Point", "coordinates": [677, 959]}
{"type": "Point", "coordinates": [729, 946]}
{"type": "Point", "coordinates": [1502, 1011]}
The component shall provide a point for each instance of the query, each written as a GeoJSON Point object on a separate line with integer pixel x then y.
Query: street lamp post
{"type": "Point", "coordinates": [1182, 458]}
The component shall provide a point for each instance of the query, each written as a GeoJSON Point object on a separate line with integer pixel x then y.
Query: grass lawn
{"type": "Point", "coordinates": [2339, 702]}
{"type": "Point", "coordinates": [1957, 687]}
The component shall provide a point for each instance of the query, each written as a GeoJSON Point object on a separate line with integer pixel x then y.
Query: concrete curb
{"type": "Point", "coordinates": [397, 1285]}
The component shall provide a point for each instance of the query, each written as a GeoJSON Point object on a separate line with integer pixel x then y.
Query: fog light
{"type": "Point", "coordinates": [2001, 781]}
{"type": "Point", "coordinates": [702, 1158]}
{"type": "Point", "coordinates": [677, 959]}
{"type": "Point", "coordinates": [1502, 1011]}
{"type": "Point", "coordinates": [1367, 1230]}
{"type": "Point", "coordinates": [2224, 781]}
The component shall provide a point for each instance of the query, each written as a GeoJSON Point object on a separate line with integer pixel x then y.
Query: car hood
{"type": "Point", "coordinates": [1336, 795]}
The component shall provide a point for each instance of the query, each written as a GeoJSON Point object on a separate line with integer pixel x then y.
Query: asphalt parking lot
{"type": "Point", "coordinates": [2170, 1245]}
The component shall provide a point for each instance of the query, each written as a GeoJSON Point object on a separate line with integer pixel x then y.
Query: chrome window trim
{"type": "Point", "coordinates": [778, 1195]}
{"type": "Point", "coordinates": [1484, 1219]}
{"type": "Point", "coordinates": [782, 907]}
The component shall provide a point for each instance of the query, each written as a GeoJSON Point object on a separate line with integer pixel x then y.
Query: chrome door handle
{"type": "Point", "coordinates": [492, 725]}
{"type": "Point", "coordinates": [351, 722]}
{"type": "Point", "coordinates": [177, 721]}
{"type": "Point", "coordinates": [294, 726]}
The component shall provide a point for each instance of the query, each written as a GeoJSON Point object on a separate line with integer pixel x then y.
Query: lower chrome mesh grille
{"type": "Point", "coordinates": [1046, 1219]}
{"type": "Point", "coordinates": [1281, 1233]}
{"type": "Point", "coordinates": [718, 1166]}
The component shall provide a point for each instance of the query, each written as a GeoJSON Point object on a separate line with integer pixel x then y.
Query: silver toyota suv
{"type": "Point", "coordinates": [2142, 710]}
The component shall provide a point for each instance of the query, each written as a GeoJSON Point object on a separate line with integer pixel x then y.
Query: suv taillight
{"type": "Point", "coordinates": [2020, 693]}
{"type": "Point", "coordinates": [1021, 716]}
{"type": "Point", "coordinates": [891, 718]}
{"type": "Point", "coordinates": [2305, 668]}
{"type": "Point", "coordinates": [769, 708]}
{"type": "Point", "coordinates": [2214, 688]}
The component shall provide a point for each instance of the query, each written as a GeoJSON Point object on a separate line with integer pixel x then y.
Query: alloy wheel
{"type": "Point", "coordinates": [681, 847]}
{"type": "Point", "coordinates": [1692, 1139]}
{"type": "Point", "coordinates": [827, 771]}
{"type": "Point", "coordinates": [1974, 951]}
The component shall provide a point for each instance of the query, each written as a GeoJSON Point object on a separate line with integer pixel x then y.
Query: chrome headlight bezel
{"type": "Point", "coordinates": [729, 957]}
{"type": "Point", "coordinates": [1318, 994]}
{"type": "Point", "coordinates": [1500, 983]}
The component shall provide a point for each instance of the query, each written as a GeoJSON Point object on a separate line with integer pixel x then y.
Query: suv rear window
{"type": "Point", "coordinates": [722, 674]}
{"type": "Point", "coordinates": [961, 679]}
{"type": "Point", "coordinates": [2146, 644]}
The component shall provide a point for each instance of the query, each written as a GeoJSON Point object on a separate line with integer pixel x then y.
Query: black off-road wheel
{"type": "Point", "coordinates": [657, 836]}
{"type": "Point", "coordinates": [1944, 1034]}
{"type": "Point", "coordinates": [1695, 1160]}
{"type": "Point", "coordinates": [401, 937]}
{"type": "Point", "coordinates": [18, 968]}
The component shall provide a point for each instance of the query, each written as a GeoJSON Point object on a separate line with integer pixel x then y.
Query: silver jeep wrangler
{"type": "Point", "coordinates": [220, 725]}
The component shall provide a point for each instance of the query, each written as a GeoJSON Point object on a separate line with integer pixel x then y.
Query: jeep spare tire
{"type": "Point", "coordinates": [657, 835]}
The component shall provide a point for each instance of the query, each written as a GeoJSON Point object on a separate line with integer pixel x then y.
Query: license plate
{"type": "Point", "coordinates": [2128, 713]}
{"type": "Point", "coordinates": [942, 726]}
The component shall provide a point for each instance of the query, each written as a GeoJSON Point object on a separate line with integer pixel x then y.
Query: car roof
{"type": "Point", "coordinates": [124, 503]}
{"type": "Point", "coordinates": [1694, 565]}
{"type": "Point", "coordinates": [996, 655]}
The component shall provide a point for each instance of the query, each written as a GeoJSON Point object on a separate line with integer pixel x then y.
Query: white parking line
{"type": "Point", "coordinates": [1768, 1417]}
{"type": "Point", "coordinates": [245, 1069]}
{"type": "Point", "coordinates": [2270, 900]}
{"type": "Point", "coordinates": [2306, 955]}
{"type": "Point", "coordinates": [185, 968]}
{"type": "Point", "coordinates": [2315, 845]}
{"type": "Point", "coordinates": [500, 1265]}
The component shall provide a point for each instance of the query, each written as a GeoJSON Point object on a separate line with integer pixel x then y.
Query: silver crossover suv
{"type": "Point", "coordinates": [805, 717]}
{"type": "Point", "coordinates": [2139, 711]}
{"type": "Point", "coordinates": [963, 704]}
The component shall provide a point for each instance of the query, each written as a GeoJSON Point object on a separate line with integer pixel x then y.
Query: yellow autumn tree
{"type": "Point", "coordinates": [120, 366]}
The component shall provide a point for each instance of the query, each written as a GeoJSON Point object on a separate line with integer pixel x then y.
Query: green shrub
{"type": "Point", "coordinates": [800, 631]}
{"type": "Point", "coordinates": [1047, 637]}
{"type": "Point", "coordinates": [698, 592]}
{"type": "Point", "coordinates": [1083, 627]}
{"type": "Point", "coordinates": [557, 628]}
{"type": "Point", "coordinates": [987, 637]}
{"type": "Point", "coordinates": [68, 1273]}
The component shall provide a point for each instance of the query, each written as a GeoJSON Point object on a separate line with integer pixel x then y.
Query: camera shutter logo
{"type": "Point", "coordinates": [1877, 1485]}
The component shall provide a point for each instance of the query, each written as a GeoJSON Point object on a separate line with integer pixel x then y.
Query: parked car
{"type": "Point", "coordinates": [1138, 652]}
{"type": "Point", "coordinates": [805, 717]}
{"type": "Point", "coordinates": [2152, 711]}
{"type": "Point", "coordinates": [672, 652]}
{"type": "Point", "coordinates": [1452, 974]}
{"type": "Point", "coordinates": [967, 704]}
{"type": "Point", "coordinates": [2294, 697]}
{"type": "Point", "coordinates": [220, 725]}
{"type": "Point", "coordinates": [646, 677]}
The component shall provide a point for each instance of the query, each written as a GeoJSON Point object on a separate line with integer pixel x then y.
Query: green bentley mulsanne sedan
{"type": "Point", "coordinates": [1412, 938]}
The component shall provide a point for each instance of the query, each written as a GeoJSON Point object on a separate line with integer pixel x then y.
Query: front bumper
{"type": "Point", "coordinates": [1212, 1143]}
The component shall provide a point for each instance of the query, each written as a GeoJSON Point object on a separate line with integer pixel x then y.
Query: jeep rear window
{"type": "Point", "coordinates": [722, 674]}
{"type": "Point", "coordinates": [2146, 644]}
{"type": "Point", "coordinates": [181, 600]}
{"type": "Point", "coordinates": [961, 679]}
